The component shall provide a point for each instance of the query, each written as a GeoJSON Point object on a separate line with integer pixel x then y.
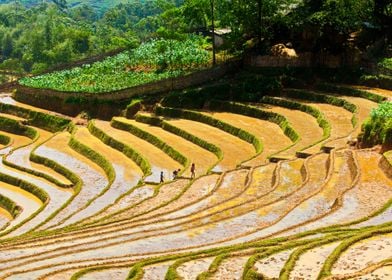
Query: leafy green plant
{"type": "Point", "coordinates": [152, 61]}
{"type": "Point", "coordinates": [378, 127]}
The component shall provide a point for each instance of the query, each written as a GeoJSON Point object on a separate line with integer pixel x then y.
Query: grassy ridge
{"type": "Point", "coordinates": [254, 112]}
{"type": "Point", "coordinates": [167, 149]}
{"type": "Point", "coordinates": [196, 116]}
{"type": "Point", "coordinates": [45, 121]}
{"type": "Point", "coordinates": [182, 133]}
{"type": "Point", "coordinates": [10, 206]}
{"type": "Point", "coordinates": [123, 148]}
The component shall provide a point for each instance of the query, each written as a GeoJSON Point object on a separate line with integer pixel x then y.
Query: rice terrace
{"type": "Point", "coordinates": [196, 139]}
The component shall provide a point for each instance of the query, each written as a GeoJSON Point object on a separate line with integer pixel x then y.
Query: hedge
{"type": "Point", "coordinates": [42, 120]}
{"type": "Point", "coordinates": [15, 127]}
{"type": "Point", "coordinates": [322, 122]}
{"type": "Point", "coordinates": [350, 91]}
{"type": "Point", "coordinates": [10, 206]}
{"type": "Point", "coordinates": [323, 98]}
{"type": "Point", "coordinates": [196, 116]}
{"type": "Point", "coordinates": [167, 149]}
{"type": "Point", "coordinates": [182, 133]}
{"type": "Point", "coordinates": [125, 149]}
{"type": "Point", "coordinates": [254, 112]}
{"type": "Point", "coordinates": [27, 186]}
{"type": "Point", "coordinates": [4, 140]}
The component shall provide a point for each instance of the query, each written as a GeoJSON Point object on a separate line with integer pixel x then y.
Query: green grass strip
{"type": "Point", "coordinates": [334, 256]}
{"type": "Point", "coordinates": [317, 114]}
{"type": "Point", "coordinates": [196, 116]}
{"type": "Point", "coordinates": [4, 140]}
{"type": "Point", "coordinates": [42, 120]}
{"type": "Point", "coordinates": [323, 98]}
{"type": "Point", "coordinates": [10, 206]}
{"type": "Point", "coordinates": [123, 148]}
{"type": "Point", "coordinates": [15, 127]}
{"type": "Point", "coordinates": [152, 139]}
{"type": "Point", "coordinates": [213, 267]}
{"type": "Point", "coordinates": [156, 121]}
{"type": "Point", "coordinates": [349, 91]}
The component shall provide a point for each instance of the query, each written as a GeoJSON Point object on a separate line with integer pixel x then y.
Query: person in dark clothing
{"type": "Point", "coordinates": [193, 169]}
{"type": "Point", "coordinates": [162, 178]}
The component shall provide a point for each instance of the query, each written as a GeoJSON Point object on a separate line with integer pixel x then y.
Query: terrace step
{"type": "Point", "coordinates": [305, 124]}
{"type": "Point", "coordinates": [158, 160]}
{"type": "Point", "coordinates": [271, 266]}
{"type": "Point", "coordinates": [91, 174]}
{"type": "Point", "coordinates": [156, 272]}
{"type": "Point", "coordinates": [235, 150]}
{"type": "Point", "coordinates": [230, 269]}
{"type": "Point", "coordinates": [271, 134]}
{"type": "Point", "coordinates": [127, 175]}
{"type": "Point", "coordinates": [364, 253]}
{"type": "Point", "coordinates": [203, 159]}
{"type": "Point", "coordinates": [190, 270]}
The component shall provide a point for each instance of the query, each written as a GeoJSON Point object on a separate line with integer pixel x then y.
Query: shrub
{"type": "Point", "coordinates": [377, 129]}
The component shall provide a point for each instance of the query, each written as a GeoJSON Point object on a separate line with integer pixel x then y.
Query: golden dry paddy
{"type": "Point", "coordinates": [271, 135]}
{"type": "Point", "coordinates": [234, 149]}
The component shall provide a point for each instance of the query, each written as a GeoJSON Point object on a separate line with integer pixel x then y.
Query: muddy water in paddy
{"type": "Point", "coordinates": [17, 140]}
{"type": "Point", "coordinates": [127, 175]}
{"type": "Point", "coordinates": [24, 199]}
{"type": "Point", "coordinates": [190, 270]}
{"type": "Point", "coordinates": [11, 117]}
{"type": "Point", "coordinates": [363, 254]}
{"type": "Point", "coordinates": [58, 196]}
{"type": "Point", "coordinates": [114, 273]}
{"type": "Point", "coordinates": [363, 199]}
{"type": "Point", "coordinates": [306, 126]}
{"type": "Point", "coordinates": [157, 158]}
{"type": "Point", "coordinates": [199, 189]}
{"type": "Point", "coordinates": [309, 264]}
{"type": "Point", "coordinates": [21, 157]}
{"type": "Point", "coordinates": [383, 273]}
{"type": "Point", "coordinates": [202, 158]}
{"type": "Point", "coordinates": [94, 180]}
{"type": "Point", "coordinates": [230, 269]}
{"type": "Point", "coordinates": [270, 134]}
{"type": "Point", "coordinates": [234, 149]}
{"type": "Point", "coordinates": [271, 266]}
{"type": "Point", "coordinates": [156, 272]}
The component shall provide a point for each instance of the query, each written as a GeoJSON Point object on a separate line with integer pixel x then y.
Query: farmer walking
{"type": "Point", "coordinates": [193, 168]}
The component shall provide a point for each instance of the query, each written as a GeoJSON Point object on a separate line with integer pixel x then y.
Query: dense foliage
{"type": "Point", "coordinates": [378, 128]}
{"type": "Point", "coordinates": [152, 61]}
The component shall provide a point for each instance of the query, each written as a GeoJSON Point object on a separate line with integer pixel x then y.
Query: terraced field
{"type": "Point", "coordinates": [278, 192]}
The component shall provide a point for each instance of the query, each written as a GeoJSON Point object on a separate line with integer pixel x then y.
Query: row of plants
{"type": "Point", "coordinates": [247, 87]}
{"type": "Point", "coordinates": [254, 112]}
{"type": "Point", "coordinates": [123, 148]}
{"type": "Point", "coordinates": [196, 116]}
{"type": "Point", "coordinates": [45, 121]}
{"type": "Point", "coordinates": [382, 81]}
{"type": "Point", "coordinates": [10, 206]}
{"type": "Point", "coordinates": [167, 149]}
{"type": "Point", "coordinates": [156, 121]}
{"type": "Point", "coordinates": [4, 139]}
{"type": "Point", "coordinates": [350, 91]}
{"type": "Point", "coordinates": [323, 98]}
{"type": "Point", "coordinates": [13, 126]}
{"type": "Point", "coordinates": [151, 61]}
{"type": "Point", "coordinates": [317, 114]}
{"type": "Point", "coordinates": [377, 129]}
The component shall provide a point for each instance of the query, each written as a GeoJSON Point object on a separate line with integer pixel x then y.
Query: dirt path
{"type": "Point", "coordinates": [270, 134]}
{"type": "Point", "coordinates": [157, 158]}
{"type": "Point", "coordinates": [202, 158]}
{"type": "Point", "coordinates": [234, 149]}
